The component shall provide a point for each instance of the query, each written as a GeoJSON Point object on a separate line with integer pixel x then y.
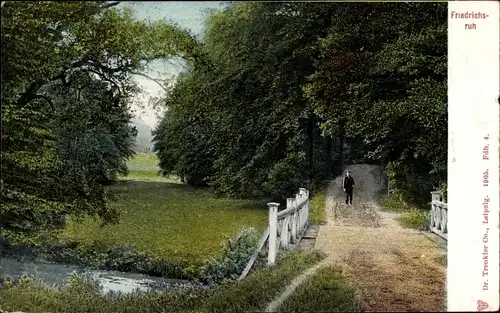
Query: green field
{"type": "Point", "coordinates": [144, 166]}
{"type": "Point", "coordinates": [168, 219]}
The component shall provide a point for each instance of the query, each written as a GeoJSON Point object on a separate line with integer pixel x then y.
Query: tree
{"type": "Point", "coordinates": [295, 90]}
{"type": "Point", "coordinates": [249, 103]}
{"type": "Point", "coordinates": [388, 64]}
{"type": "Point", "coordinates": [91, 128]}
{"type": "Point", "coordinates": [181, 142]}
{"type": "Point", "coordinates": [39, 148]}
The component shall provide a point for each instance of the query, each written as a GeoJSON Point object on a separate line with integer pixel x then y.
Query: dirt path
{"type": "Point", "coordinates": [395, 268]}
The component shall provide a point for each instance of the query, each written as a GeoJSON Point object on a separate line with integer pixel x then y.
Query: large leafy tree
{"type": "Point", "coordinates": [48, 153]}
{"type": "Point", "coordinates": [91, 128]}
{"type": "Point", "coordinates": [181, 138]}
{"type": "Point", "coordinates": [249, 104]}
{"type": "Point", "coordinates": [259, 85]}
{"type": "Point", "coordinates": [295, 90]}
{"type": "Point", "coordinates": [387, 65]}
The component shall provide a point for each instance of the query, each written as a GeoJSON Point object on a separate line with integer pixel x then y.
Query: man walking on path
{"type": "Point", "coordinates": [348, 185]}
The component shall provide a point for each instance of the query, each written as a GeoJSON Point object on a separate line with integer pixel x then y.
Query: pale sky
{"type": "Point", "coordinates": [187, 14]}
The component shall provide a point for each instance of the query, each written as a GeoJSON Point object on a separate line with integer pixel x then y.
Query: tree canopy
{"type": "Point", "coordinates": [277, 95]}
{"type": "Point", "coordinates": [65, 94]}
{"type": "Point", "coordinates": [295, 91]}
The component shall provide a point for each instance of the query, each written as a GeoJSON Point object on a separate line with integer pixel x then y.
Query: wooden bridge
{"type": "Point", "coordinates": [287, 227]}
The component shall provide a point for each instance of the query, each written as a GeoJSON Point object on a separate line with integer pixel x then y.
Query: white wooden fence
{"type": "Point", "coordinates": [285, 228]}
{"type": "Point", "coordinates": [439, 215]}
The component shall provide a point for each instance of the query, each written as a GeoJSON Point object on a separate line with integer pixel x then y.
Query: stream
{"type": "Point", "coordinates": [52, 274]}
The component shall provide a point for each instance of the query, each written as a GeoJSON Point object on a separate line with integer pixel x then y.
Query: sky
{"type": "Point", "coordinates": [187, 14]}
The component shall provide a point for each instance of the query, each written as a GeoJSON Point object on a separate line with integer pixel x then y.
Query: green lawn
{"type": "Point", "coordinates": [144, 166]}
{"type": "Point", "coordinates": [168, 219]}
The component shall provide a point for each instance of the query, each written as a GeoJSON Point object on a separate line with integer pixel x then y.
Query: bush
{"type": "Point", "coordinates": [412, 183]}
{"type": "Point", "coordinates": [393, 203]}
{"type": "Point", "coordinates": [410, 216]}
{"type": "Point", "coordinates": [234, 256]}
{"type": "Point", "coordinates": [124, 258]}
{"type": "Point", "coordinates": [415, 218]}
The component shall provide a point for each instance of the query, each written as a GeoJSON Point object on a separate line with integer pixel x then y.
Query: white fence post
{"type": "Point", "coordinates": [273, 232]}
{"type": "Point", "coordinates": [307, 206]}
{"type": "Point", "coordinates": [303, 220]}
{"type": "Point", "coordinates": [299, 220]}
{"type": "Point", "coordinates": [436, 196]}
{"type": "Point", "coordinates": [289, 204]}
{"type": "Point", "coordinates": [439, 215]}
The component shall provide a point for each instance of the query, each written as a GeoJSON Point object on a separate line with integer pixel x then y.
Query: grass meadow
{"type": "Point", "coordinates": [168, 219]}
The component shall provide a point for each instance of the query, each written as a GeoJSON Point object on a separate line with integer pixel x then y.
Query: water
{"type": "Point", "coordinates": [58, 274]}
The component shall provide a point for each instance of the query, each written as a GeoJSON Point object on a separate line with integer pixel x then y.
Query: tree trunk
{"type": "Point", "coordinates": [329, 153]}
{"type": "Point", "coordinates": [341, 132]}
{"type": "Point", "coordinates": [310, 135]}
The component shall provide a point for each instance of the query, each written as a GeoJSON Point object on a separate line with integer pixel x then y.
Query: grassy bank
{"type": "Point", "coordinates": [326, 291]}
{"type": "Point", "coordinates": [167, 219]}
{"type": "Point", "coordinates": [317, 213]}
{"type": "Point", "coordinates": [409, 216]}
{"type": "Point", "coordinates": [249, 295]}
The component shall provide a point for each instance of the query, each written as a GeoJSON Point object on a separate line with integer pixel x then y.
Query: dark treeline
{"type": "Point", "coordinates": [290, 93]}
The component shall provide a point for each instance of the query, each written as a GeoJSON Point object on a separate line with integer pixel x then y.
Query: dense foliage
{"type": "Point", "coordinates": [293, 92]}
{"type": "Point", "coordinates": [65, 94]}
{"type": "Point", "coordinates": [277, 96]}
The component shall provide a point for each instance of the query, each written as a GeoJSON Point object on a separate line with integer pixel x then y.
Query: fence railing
{"type": "Point", "coordinates": [285, 228]}
{"type": "Point", "coordinates": [439, 215]}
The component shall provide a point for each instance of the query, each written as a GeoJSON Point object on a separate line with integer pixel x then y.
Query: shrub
{"type": "Point", "coordinates": [124, 258]}
{"type": "Point", "coordinates": [234, 256]}
{"type": "Point", "coordinates": [410, 216]}
{"type": "Point", "coordinates": [415, 218]}
{"type": "Point", "coordinates": [393, 203]}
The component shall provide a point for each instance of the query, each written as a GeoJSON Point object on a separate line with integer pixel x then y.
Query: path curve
{"type": "Point", "coordinates": [296, 282]}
